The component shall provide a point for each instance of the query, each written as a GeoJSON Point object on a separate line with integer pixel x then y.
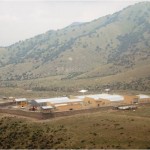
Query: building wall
{"type": "Point", "coordinates": [39, 104]}
{"type": "Point", "coordinates": [49, 104]}
{"type": "Point", "coordinates": [12, 99]}
{"type": "Point", "coordinates": [103, 102]}
{"type": "Point", "coordinates": [130, 99]}
{"type": "Point", "coordinates": [144, 100]}
{"type": "Point", "coordinates": [69, 107]}
{"type": "Point", "coordinates": [90, 102]}
{"type": "Point", "coordinates": [22, 104]}
{"type": "Point", "coordinates": [135, 99]}
{"type": "Point", "coordinates": [116, 103]}
{"type": "Point", "coordinates": [46, 110]}
{"type": "Point", "coordinates": [72, 97]}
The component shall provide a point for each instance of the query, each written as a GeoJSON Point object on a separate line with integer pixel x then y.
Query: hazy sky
{"type": "Point", "coordinates": [23, 19]}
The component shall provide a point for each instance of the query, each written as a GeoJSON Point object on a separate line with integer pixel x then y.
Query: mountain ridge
{"type": "Point", "coordinates": [106, 46]}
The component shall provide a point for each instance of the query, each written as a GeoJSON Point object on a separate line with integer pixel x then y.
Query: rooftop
{"type": "Point", "coordinates": [76, 100]}
{"type": "Point", "coordinates": [57, 105]}
{"type": "Point", "coordinates": [143, 96]}
{"type": "Point", "coordinates": [20, 99]}
{"type": "Point", "coordinates": [46, 107]}
{"type": "Point", "coordinates": [56, 100]}
{"type": "Point", "coordinates": [107, 97]}
{"type": "Point", "coordinates": [110, 97]}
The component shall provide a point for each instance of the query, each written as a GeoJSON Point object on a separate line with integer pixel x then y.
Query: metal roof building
{"type": "Point", "coordinates": [20, 99]}
{"type": "Point", "coordinates": [46, 107]}
{"type": "Point", "coordinates": [110, 97]}
{"type": "Point", "coordinates": [58, 100]}
{"type": "Point", "coordinates": [141, 96]}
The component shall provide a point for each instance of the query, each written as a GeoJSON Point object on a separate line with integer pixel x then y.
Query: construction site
{"type": "Point", "coordinates": [63, 106]}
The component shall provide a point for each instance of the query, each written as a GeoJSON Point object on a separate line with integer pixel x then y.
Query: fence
{"type": "Point", "coordinates": [40, 115]}
{"type": "Point", "coordinates": [7, 104]}
{"type": "Point", "coordinates": [36, 115]}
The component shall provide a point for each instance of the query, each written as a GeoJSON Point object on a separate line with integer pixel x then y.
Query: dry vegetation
{"type": "Point", "coordinates": [106, 129]}
{"type": "Point", "coordinates": [114, 48]}
{"type": "Point", "coordinates": [109, 52]}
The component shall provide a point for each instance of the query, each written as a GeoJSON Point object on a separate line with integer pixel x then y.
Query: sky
{"type": "Point", "coordinates": [23, 19]}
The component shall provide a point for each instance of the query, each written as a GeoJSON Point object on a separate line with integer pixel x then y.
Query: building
{"type": "Point", "coordinates": [60, 103]}
{"type": "Point", "coordinates": [72, 104]}
{"type": "Point", "coordinates": [46, 109]}
{"type": "Point", "coordinates": [143, 98]}
{"type": "Point", "coordinates": [22, 102]}
{"type": "Point", "coordinates": [100, 100]}
{"type": "Point", "coordinates": [11, 99]}
{"type": "Point", "coordinates": [130, 107]}
{"type": "Point", "coordinates": [51, 101]}
{"type": "Point", "coordinates": [130, 99]}
{"type": "Point", "coordinates": [86, 101]}
{"type": "Point", "coordinates": [92, 101]}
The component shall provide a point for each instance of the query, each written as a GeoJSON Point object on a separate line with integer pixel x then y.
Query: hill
{"type": "Point", "coordinates": [112, 46]}
{"type": "Point", "coordinates": [101, 130]}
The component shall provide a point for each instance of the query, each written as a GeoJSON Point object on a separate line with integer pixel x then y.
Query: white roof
{"type": "Point", "coordinates": [76, 100]}
{"type": "Point", "coordinates": [110, 97]}
{"type": "Point", "coordinates": [11, 97]}
{"type": "Point", "coordinates": [81, 97]}
{"type": "Point", "coordinates": [143, 96]}
{"type": "Point", "coordinates": [107, 97]}
{"type": "Point", "coordinates": [123, 107]}
{"type": "Point", "coordinates": [107, 90]}
{"type": "Point", "coordinates": [47, 107]}
{"type": "Point", "coordinates": [60, 105]}
{"type": "Point", "coordinates": [83, 91]}
{"type": "Point", "coordinates": [20, 99]}
{"type": "Point", "coordinates": [57, 100]}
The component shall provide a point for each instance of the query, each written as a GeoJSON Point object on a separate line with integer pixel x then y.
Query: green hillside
{"type": "Point", "coordinates": [107, 47]}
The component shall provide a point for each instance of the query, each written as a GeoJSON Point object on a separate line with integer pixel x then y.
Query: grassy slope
{"type": "Point", "coordinates": [89, 45]}
{"type": "Point", "coordinates": [54, 86]}
{"type": "Point", "coordinates": [106, 129]}
{"type": "Point", "coordinates": [111, 49]}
